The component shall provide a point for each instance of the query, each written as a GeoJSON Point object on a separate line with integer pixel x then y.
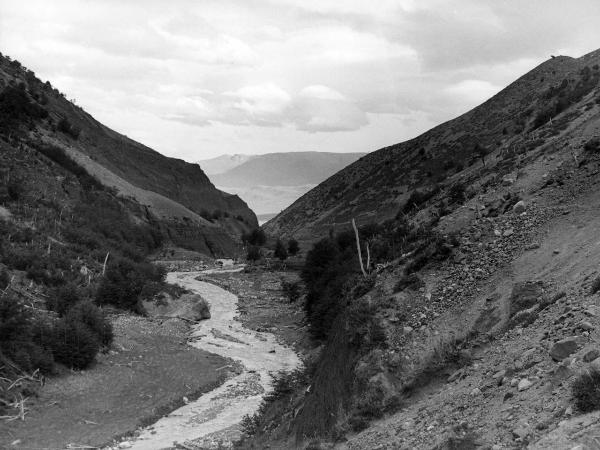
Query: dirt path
{"type": "Point", "coordinates": [214, 419]}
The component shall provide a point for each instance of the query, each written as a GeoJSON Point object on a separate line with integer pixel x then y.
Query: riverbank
{"type": "Point", "coordinates": [147, 373]}
{"type": "Point", "coordinates": [263, 306]}
{"type": "Point", "coordinates": [214, 420]}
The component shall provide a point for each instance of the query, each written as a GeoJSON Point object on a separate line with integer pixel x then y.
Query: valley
{"type": "Point", "coordinates": [439, 293]}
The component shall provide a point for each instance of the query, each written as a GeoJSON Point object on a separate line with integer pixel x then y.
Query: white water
{"type": "Point", "coordinates": [216, 415]}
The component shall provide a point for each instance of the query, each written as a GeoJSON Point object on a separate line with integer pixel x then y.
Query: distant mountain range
{"type": "Point", "coordinates": [223, 163]}
{"type": "Point", "coordinates": [269, 183]}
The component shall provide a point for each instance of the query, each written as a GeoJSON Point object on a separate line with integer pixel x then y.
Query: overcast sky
{"type": "Point", "coordinates": [198, 78]}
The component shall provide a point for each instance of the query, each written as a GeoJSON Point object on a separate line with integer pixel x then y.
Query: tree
{"type": "Point", "coordinates": [280, 251]}
{"type": "Point", "coordinates": [254, 253]}
{"type": "Point", "coordinates": [293, 247]}
{"type": "Point", "coordinates": [256, 237]}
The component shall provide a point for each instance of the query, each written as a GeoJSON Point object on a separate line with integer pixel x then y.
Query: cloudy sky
{"type": "Point", "coordinates": [198, 78]}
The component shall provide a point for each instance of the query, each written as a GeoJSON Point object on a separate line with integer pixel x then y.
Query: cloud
{"type": "Point", "coordinates": [322, 109]}
{"type": "Point", "coordinates": [289, 74]}
{"type": "Point", "coordinates": [314, 109]}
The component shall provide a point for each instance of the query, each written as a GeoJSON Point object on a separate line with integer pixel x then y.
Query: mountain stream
{"type": "Point", "coordinates": [214, 418]}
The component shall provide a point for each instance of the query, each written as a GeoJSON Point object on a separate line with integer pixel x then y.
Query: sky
{"type": "Point", "coordinates": [195, 79]}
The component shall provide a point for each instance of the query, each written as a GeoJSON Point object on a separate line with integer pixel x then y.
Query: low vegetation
{"type": "Point", "coordinates": [586, 390]}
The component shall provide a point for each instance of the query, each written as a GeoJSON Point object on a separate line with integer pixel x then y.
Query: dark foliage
{"type": "Point", "coordinates": [91, 316]}
{"type": "Point", "coordinates": [595, 285]}
{"type": "Point", "coordinates": [255, 237]}
{"type": "Point", "coordinates": [592, 146]}
{"type": "Point", "coordinates": [74, 344]}
{"type": "Point", "coordinates": [18, 333]}
{"type": "Point", "coordinates": [64, 126]}
{"type": "Point", "coordinates": [125, 281]}
{"type": "Point", "coordinates": [293, 248]}
{"type": "Point", "coordinates": [62, 298]}
{"type": "Point", "coordinates": [291, 290]}
{"type": "Point", "coordinates": [17, 110]}
{"type": "Point", "coordinates": [566, 94]}
{"type": "Point", "coordinates": [280, 250]}
{"type": "Point", "coordinates": [418, 198]}
{"type": "Point", "coordinates": [4, 279]}
{"type": "Point", "coordinates": [254, 253]}
{"type": "Point", "coordinates": [586, 390]}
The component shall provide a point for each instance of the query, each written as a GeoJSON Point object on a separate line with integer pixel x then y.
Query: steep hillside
{"type": "Point", "coordinates": [285, 169]}
{"type": "Point", "coordinates": [488, 141]}
{"type": "Point", "coordinates": [472, 318]}
{"type": "Point", "coordinates": [175, 192]}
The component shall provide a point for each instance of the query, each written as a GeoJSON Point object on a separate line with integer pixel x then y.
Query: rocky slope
{"type": "Point", "coordinates": [529, 114]}
{"type": "Point", "coordinates": [176, 193]}
{"type": "Point", "coordinates": [481, 349]}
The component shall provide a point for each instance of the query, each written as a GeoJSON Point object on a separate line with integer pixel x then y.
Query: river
{"type": "Point", "coordinates": [215, 417]}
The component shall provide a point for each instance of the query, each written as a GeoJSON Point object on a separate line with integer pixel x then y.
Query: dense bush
{"type": "Point", "coordinates": [74, 344]}
{"type": "Point", "coordinates": [291, 290]}
{"type": "Point", "coordinates": [592, 146]}
{"type": "Point", "coordinates": [17, 110]}
{"type": "Point", "coordinates": [18, 332]}
{"type": "Point", "coordinates": [255, 237]}
{"type": "Point", "coordinates": [64, 126]}
{"type": "Point", "coordinates": [566, 94]}
{"type": "Point", "coordinates": [418, 198]}
{"type": "Point", "coordinates": [254, 253]}
{"type": "Point", "coordinates": [595, 285]}
{"type": "Point", "coordinates": [124, 283]}
{"type": "Point", "coordinates": [293, 248]}
{"type": "Point", "coordinates": [328, 266]}
{"type": "Point", "coordinates": [280, 250]}
{"type": "Point", "coordinates": [4, 279]}
{"type": "Point", "coordinates": [91, 316]}
{"type": "Point", "coordinates": [62, 298]}
{"type": "Point", "coordinates": [586, 390]}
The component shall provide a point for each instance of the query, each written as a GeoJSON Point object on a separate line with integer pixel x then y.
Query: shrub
{"type": "Point", "coordinates": [18, 337]}
{"type": "Point", "coordinates": [256, 237]}
{"type": "Point", "coordinates": [293, 247]}
{"type": "Point", "coordinates": [593, 145]}
{"type": "Point", "coordinates": [410, 281]}
{"type": "Point", "coordinates": [586, 390]}
{"type": "Point", "coordinates": [74, 344]}
{"type": "Point", "coordinates": [62, 298]}
{"type": "Point", "coordinates": [4, 279]}
{"type": "Point", "coordinates": [64, 126]}
{"type": "Point", "coordinates": [595, 285]}
{"type": "Point", "coordinates": [90, 315]}
{"type": "Point", "coordinates": [291, 290]}
{"type": "Point", "coordinates": [124, 282]}
{"type": "Point", "coordinates": [280, 250]}
{"type": "Point", "coordinates": [254, 253]}
{"type": "Point", "coordinates": [17, 110]}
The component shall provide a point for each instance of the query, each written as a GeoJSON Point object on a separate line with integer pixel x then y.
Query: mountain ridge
{"type": "Point", "coordinates": [377, 186]}
{"type": "Point", "coordinates": [176, 193]}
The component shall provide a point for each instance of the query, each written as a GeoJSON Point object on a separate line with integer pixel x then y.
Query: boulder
{"type": "Point", "coordinates": [591, 355]}
{"type": "Point", "coordinates": [520, 207]}
{"type": "Point", "coordinates": [564, 348]}
{"type": "Point", "coordinates": [524, 384]}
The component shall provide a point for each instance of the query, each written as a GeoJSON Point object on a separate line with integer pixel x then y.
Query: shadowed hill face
{"type": "Point", "coordinates": [529, 114]}
{"type": "Point", "coordinates": [285, 169]}
{"type": "Point", "coordinates": [172, 188]}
